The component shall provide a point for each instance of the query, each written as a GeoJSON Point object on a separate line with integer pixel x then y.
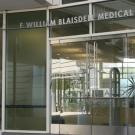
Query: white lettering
{"type": "Point", "coordinates": [106, 15]}
{"type": "Point", "coordinates": [21, 25]}
{"type": "Point", "coordinates": [78, 19]}
{"type": "Point", "coordinates": [120, 13]}
{"type": "Point", "coordinates": [101, 16]}
{"type": "Point", "coordinates": [111, 15]}
{"type": "Point", "coordinates": [40, 24]}
{"type": "Point", "coordinates": [131, 13]}
{"type": "Point", "coordinates": [29, 24]}
{"type": "Point", "coordinates": [63, 21]}
{"type": "Point", "coordinates": [68, 21]}
{"type": "Point", "coordinates": [75, 19]}
{"type": "Point", "coordinates": [60, 22]}
{"type": "Point", "coordinates": [85, 18]}
{"type": "Point", "coordinates": [45, 24]}
{"type": "Point", "coordinates": [52, 22]}
{"type": "Point", "coordinates": [115, 14]}
{"type": "Point", "coordinates": [72, 20]}
{"type": "Point", "coordinates": [127, 13]}
{"type": "Point", "coordinates": [37, 24]}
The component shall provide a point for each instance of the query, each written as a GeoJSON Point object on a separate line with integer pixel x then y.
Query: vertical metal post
{"type": "Point", "coordinates": [95, 83]}
{"type": "Point", "coordinates": [90, 23]}
{"type": "Point", "coordinates": [48, 77]}
{"type": "Point", "coordinates": [125, 46]}
{"type": "Point", "coordinates": [87, 70]}
{"type": "Point", "coordinates": [3, 70]}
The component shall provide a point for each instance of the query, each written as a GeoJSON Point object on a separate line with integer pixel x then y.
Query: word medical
{"type": "Point", "coordinates": [115, 14]}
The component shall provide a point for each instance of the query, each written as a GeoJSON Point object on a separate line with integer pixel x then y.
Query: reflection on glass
{"type": "Point", "coordinates": [130, 92]}
{"type": "Point", "coordinates": [25, 80]}
{"type": "Point", "coordinates": [117, 23]}
{"type": "Point", "coordinates": [69, 29]}
{"type": "Point", "coordinates": [85, 87]}
{"type": "Point", "coordinates": [69, 75]}
{"type": "Point", "coordinates": [31, 19]}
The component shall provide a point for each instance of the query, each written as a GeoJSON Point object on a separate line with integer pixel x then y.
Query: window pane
{"type": "Point", "coordinates": [31, 19]}
{"type": "Point", "coordinates": [117, 15]}
{"type": "Point", "coordinates": [131, 79]}
{"type": "Point", "coordinates": [25, 79]}
{"type": "Point", "coordinates": [69, 29]}
{"type": "Point", "coordinates": [81, 70]}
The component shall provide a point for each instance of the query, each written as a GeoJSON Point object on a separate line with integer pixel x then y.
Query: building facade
{"type": "Point", "coordinates": [68, 69]}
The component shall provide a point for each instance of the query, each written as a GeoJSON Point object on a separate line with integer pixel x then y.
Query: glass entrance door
{"type": "Point", "coordinates": [88, 84]}
{"type": "Point", "coordinates": [109, 96]}
{"type": "Point", "coordinates": [70, 87]}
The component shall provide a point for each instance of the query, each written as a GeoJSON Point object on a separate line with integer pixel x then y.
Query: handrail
{"type": "Point", "coordinates": [97, 97]}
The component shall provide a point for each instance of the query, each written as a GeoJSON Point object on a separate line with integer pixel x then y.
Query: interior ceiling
{"type": "Point", "coordinates": [109, 50]}
{"type": "Point", "coordinates": [22, 4]}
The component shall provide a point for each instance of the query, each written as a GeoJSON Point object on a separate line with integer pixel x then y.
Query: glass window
{"type": "Point", "coordinates": [31, 19]}
{"type": "Point", "coordinates": [69, 29]}
{"type": "Point", "coordinates": [25, 77]}
{"type": "Point", "coordinates": [71, 1]}
{"type": "Point", "coordinates": [130, 91]}
{"type": "Point", "coordinates": [81, 70]}
{"type": "Point", "coordinates": [114, 16]}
